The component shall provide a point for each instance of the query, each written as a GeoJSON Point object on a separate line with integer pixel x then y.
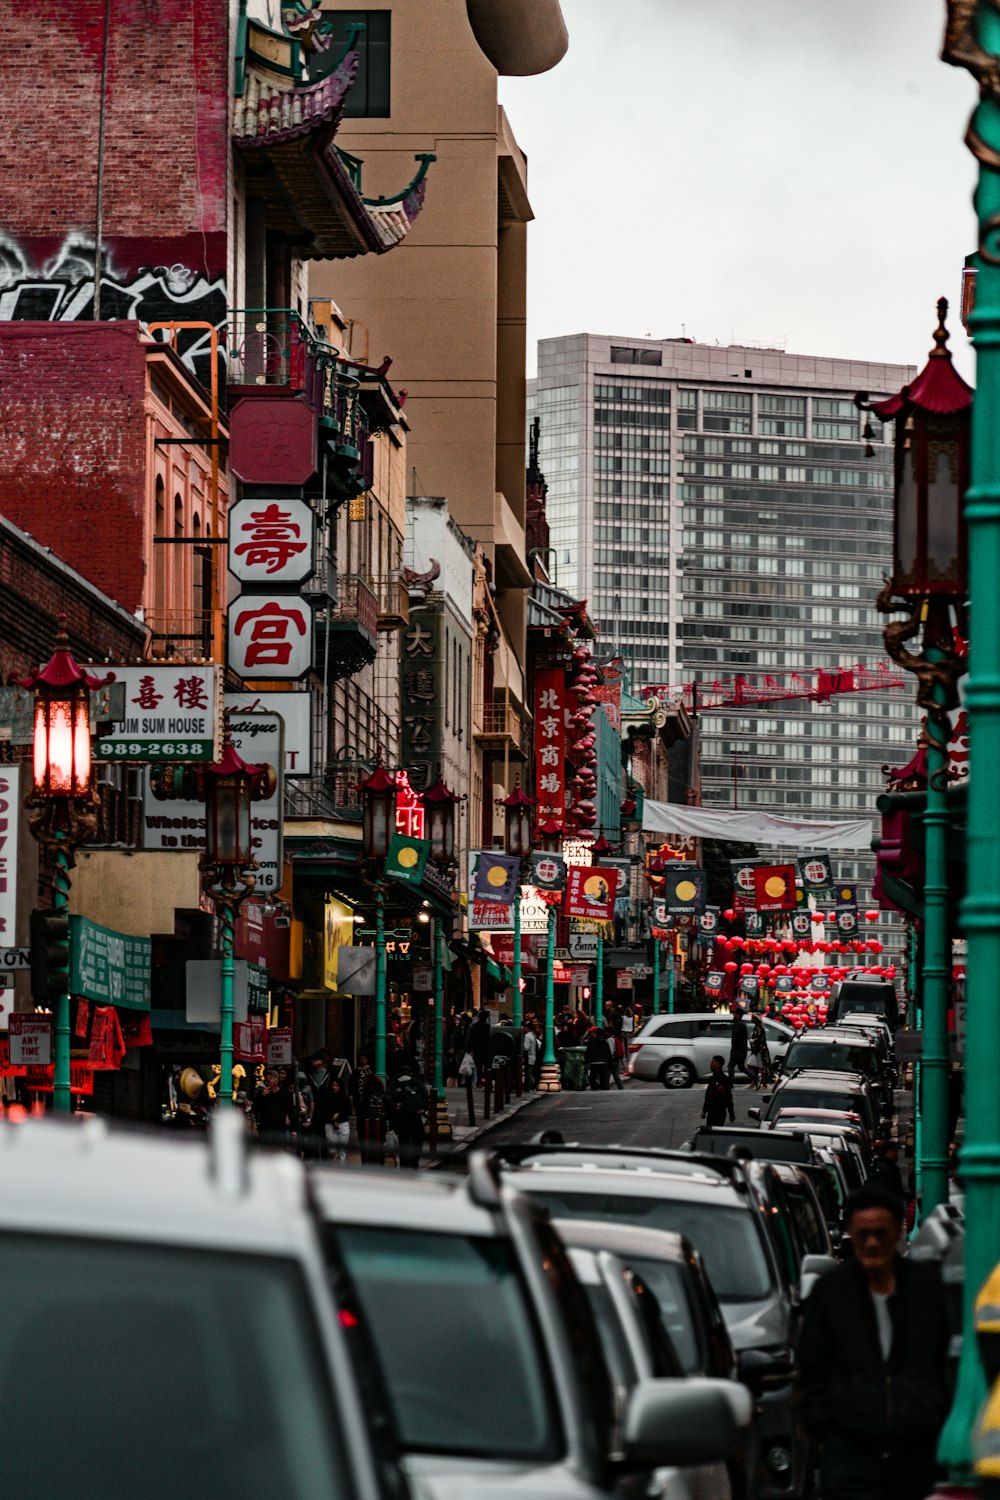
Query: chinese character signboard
{"type": "Point", "coordinates": [774, 887]}
{"type": "Point", "coordinates": [270, 635]}
{"type": "Point", "coordinates": [816, 874]}
{"type": "Point", "coordinates": [421, 691]}
{"type": "Point", "coordinates": [110, 968]}
{"type": "Point", "coordinates": [271, 541]}
{"type": "Point", "coordinates": [550, 745]}
{"type": "Point", "coordinates": [590, 892]}
{"type": "Point", "coordinates": [743, 883]}
{"type": "Point", "coordinates": [171, 713]}
{"type": "Point", "coordinates": [847, 910]}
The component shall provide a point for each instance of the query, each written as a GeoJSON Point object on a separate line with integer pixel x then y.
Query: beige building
{"type": "Point", "coordinates": [452, 309]}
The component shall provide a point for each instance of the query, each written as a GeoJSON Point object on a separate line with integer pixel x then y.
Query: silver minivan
{"type": "Point", "coordinates": [678, 1050]}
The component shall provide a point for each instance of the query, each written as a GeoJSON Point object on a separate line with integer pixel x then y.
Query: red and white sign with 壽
{"type": "Point", "coordinates": [271, 550]}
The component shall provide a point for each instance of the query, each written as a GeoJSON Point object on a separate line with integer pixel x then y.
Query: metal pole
{"type": "Point", "coordinates": [933, 1099]}
{"type": "Point", "coordinates": [438, 1010]}
{"type": "Point", "coordinates": [549, 1081]}
{"type": "Point", "coordinates": [980, 1156]}
{"type": "Point", "coordinates": [62, 1098]}
{"type": "Point", "coordinates": [226, 1007]}
{"type": "Point", "coordinates": [656, 976]}
{"type": "Point", "coordinates": [380, 1017]}
{"type": "Point", "coordinates": [599, 985]}
{"type": "Point", "coordinates": [517, 1002]}
{"type": "Point", "coordinates": [671, 980]}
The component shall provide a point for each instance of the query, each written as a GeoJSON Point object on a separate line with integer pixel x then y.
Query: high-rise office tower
{"type": "Point", "coordinates": [723, 513]}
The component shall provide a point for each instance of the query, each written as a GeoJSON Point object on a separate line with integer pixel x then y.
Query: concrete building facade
{"type": "Point", "coordinates": [723, 513]}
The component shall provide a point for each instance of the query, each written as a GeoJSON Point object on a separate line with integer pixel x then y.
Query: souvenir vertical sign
{"type": "Point", "coordinates": [550, 745]}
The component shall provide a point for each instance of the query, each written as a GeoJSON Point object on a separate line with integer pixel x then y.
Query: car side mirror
{"type": "Point", "coordinates": [690, 1421]}
{"type": "Point", "coordinates": [811, 1269]}
{"type": "Point", "coordinates": [754, 1114]}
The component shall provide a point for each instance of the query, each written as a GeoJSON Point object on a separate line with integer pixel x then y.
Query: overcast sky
{"type": "Point", "coordinates": [786, 172]}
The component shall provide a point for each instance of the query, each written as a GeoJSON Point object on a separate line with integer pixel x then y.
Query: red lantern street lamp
{"type": "Point", "coordinates": [439, 806]}
{"type": "Point", "coordinates": [378, 821]}
{"type": "Point", "coordinates": [601, 846]}
{"type": "Point", "coordinates": [517, 823]}
{"type": "Point", "coordinates": [550, 835]}
{"type": "Point", "coordinates": [64, 814]}
{"type": "Point", "coordinates": [228, 870]}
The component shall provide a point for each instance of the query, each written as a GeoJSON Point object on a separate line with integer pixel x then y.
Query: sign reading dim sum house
{"type": "Point", "coordinates": [171, 713]}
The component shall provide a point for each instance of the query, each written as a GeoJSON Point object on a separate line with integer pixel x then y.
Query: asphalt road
{"type": "Point", "coordinates": [643, 1114]}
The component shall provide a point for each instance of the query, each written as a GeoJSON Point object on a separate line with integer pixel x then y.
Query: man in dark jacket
{"type": "Point", "coordinates": [597, 1059]}
{"type": "Point", "coordinates": [871, 1360]}
{"type": "Point", "coordinates": [740, 1043]}
{"type": "Point", "coordinates": [718, 1095]}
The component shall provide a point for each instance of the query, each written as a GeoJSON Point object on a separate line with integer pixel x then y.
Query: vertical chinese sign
{"type": "Point", "coordinates": [272, 545]}
{"type": "Point", "coordinates": [421, 696]}
{"type": "Point", "coordinates": [550, 745]}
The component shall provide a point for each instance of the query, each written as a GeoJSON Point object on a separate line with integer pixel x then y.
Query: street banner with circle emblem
{"type": "Point", "coordinates": [407, 859]}
{"type": "Point", "coordinates": [708, 922]}
{"type": "Point", "coordinates": [774, 887]}
{"type": "Point", "coordinates": [743, 886]}
{"type": "Point", "coordinates": [661, 917]}
{"type": "Point", "coordinates": [590, 892]}
{"type": "Point", "coordinates": [683, 889]}
{"type": "Point", "coordinates": [847, 910]}
{"type": "Point", "coordinates": [802, 923]}
{"type": "Point", "coordinates": [548, 873]}
{"type": "Point", "coordinates": [753, 921]}
{"type": "Point", "coordinates": [497, 877]}
{"type": "Point", "coordinates": [816, 874]}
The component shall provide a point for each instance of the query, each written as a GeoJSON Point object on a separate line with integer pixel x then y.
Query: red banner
{"type": "Point", "coordinates": [107, 1045]}
{"type": "Point", "coordinates": [81, 1078]}
{"type": "Point", "coordinates": [250, 1041]}
{"type": "Point", "coordinates": [590, 892]}
{"type": "Point", "coordinates": [774, 887]}
{"type": "Point", "coordinates": [550, 745]}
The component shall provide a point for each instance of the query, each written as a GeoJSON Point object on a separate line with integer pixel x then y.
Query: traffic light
{"type": "Point", "coordinates": [49, 954]}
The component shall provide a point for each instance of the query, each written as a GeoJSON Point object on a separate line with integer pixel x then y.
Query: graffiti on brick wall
{"type": "Point", "coordinates": [60, 289]}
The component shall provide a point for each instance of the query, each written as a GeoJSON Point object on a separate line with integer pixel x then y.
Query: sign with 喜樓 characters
{"type": "Point", "coordinates": [171, 713]}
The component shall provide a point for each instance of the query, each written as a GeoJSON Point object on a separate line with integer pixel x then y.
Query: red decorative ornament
{"type": "Point", "coordinates": [818, 916]}
{"type": "Point", "coordinates": [872, 916]}
{"type": "Point", "coordinates": [730, 968]}
{"type": "Point", "coordinates": [729, 914]}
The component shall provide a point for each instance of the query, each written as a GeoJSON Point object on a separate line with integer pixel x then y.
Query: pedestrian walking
{"type": "Point", "coordinates": [315, 1143]}
{"type": "Point", "coordinates": [718, 1094]}
{"type": "Point", "coordinates": [273, 1112]}
{"type": "Point", "coordinates": [531, 1047]}
{"type": "Point", "coordinates": [338, 1125]}
{"type": "Point", "coordinates": [616, 1049]}
{"type": "Point", "coordinates": [739, 1044]}
{"type": "Point", "coordinates": [597, 1060]}
{"type": "Point", "coordinates": [872, 1361]}
{"type": "Point", "coordinates": [480, 1045]}
{"type": "Point", "coordinates": [406, 1104]}
{"type": "Point", "coordinates": [373, 1123]}
{"type": "Point", "coordinates": [885, 1169]}
{"type": "Point", "coordinates": [758, 1063]}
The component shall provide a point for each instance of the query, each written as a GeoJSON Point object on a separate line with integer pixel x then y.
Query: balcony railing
{"type": "Point", "coordinates": [393, 603]}
{"type": "Point", "coordinates": [502, 725]}
{"type": "Point", "coordinates": [267, 346]}
{"type": "Point", "coordinates": [348, 630]}
{"type": "Point", "coordinates": [186, 635]}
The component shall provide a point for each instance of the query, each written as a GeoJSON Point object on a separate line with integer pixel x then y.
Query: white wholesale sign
{"type": "Point", "coordinates": [271, 541]}
{"type": "Point", "coordinates": [296, 712]}
{"type": "Point", "coordinates": [171, 713]}
{"type": "Point", "coordinates": [10, 803]}
{"type": "Point", "coordinates": [271, 636]}
{"type": "Point", "coordinates": [30, 1040]}
{"type": "Point", "coordinates": [178, 826]}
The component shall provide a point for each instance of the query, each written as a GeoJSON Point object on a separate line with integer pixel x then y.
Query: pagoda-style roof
{"type": "Point", "coordinates": [551, 608]}
{"type": "Point", "coordinates": [287, 110]}
{"type": "Point", "coordinates": [939, 389]}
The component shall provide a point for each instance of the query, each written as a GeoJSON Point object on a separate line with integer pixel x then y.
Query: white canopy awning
{"type": "Point", "coordinates": [755, 827]}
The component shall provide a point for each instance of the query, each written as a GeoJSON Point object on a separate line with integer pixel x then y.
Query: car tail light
{"type": "Point", "coordinates": [635, 1046]}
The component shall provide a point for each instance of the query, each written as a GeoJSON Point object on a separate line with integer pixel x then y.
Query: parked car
{"type": "Point", "coordinates": [723, 1208]}
{"type": "Point", "coordinates": [814, 1089]}
{"type": "Point", "coordinates": [678, 1050]}
{"type": "Point", "coordinates": [490, 1351]}
{"type": "Point", "coordinates": [831, 1050]}
{"type": "Point", "coordinates": [188, 1284]}
{"type": "Point", "coordinates": [863, 991]}
{"type": "Point", "coordinates": [792, 1147]}
{"type": "Point", "coordinates": [637, 1347]}
{"type": "Point", "coordinates": [843, 1133]}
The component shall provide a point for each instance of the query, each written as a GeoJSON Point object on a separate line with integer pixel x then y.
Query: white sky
{"type": "Point", "coordinates": [788, 172]}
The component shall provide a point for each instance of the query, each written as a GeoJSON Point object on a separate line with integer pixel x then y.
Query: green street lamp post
{"type": "Point", "coordinates": [671, 981]}
{"type": "Point", "coordinates": [973, 41]}
{"type": "Point", "coordinates": [439, 808]}
{"type": "Point", "coordinates": [656, 976]}
{"type": "Point", "coordinates": [599, 849]}
{"type": "Point", "coordinates": [929, 580]}
{"type": "Point", "coordinates": [549, 1081]}
{"type": "Point", "coordinates": [517, 840]}
{"type": "Point", "coordinates": [228, 870]}
{"type": "Point", "coordinates": [378, 823]}
{"type": "Point", "coordinates": [64, 815]}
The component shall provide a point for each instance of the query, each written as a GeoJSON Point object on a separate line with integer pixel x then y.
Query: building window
{"type": "Point", "coordinates": [369, 94]}
{"type": "Point", "coordinates": [623, 356]}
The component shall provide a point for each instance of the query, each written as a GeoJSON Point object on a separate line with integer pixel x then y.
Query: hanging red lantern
{"type": "Point", "coordinates": [730, 968]}
{"type": "Point", "coordinates": [818, 916]}
{"type": "Point", "coordinates": [729, 914]}
{"type": "Point", "coordinates": [746, 968]}
{"type": "Point", "coordinates": [872, 916]}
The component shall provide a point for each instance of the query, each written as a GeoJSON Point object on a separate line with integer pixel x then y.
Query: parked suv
{"type": "Point", "coordinates": [678, 1050]}
{"type": "Point", "coordinates": [833, 1049]}
{"type": "Point", "coordinates": [187, 1284]}
{"type": "Point", "coordinates": [861, 991]}
{"type": "Point", "coordinates": [751, 1254]}
{"type": "Point", "coordinates": [489, 1348]}
{"type": "Point", "coordinates": [809, 1089]}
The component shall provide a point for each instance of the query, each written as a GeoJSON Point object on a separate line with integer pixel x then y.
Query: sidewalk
{"type": "Point", "coordinates": [458, 1110]}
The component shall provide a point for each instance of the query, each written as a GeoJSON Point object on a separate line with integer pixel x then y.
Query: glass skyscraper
{"type": "Point", "coordinates": [724, 515]}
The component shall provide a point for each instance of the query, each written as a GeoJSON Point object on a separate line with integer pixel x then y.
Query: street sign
{"type": "Point", "coordinates": [642, 971]}
{"type": "Point", "coordinates": [279, 1046]}
{"type": "Point", "coordinates": [623, 979]}
{"type": "Point", "coordinates": [15, 958]}
{"type": "Point", "coordinates": [6, 982]}
{"type": "Point", "coordinates": [108, 967]}
{"type": "Point", "coordinates": [583, 946]}
{"type": "Point", "coordinates": [30, 1040]}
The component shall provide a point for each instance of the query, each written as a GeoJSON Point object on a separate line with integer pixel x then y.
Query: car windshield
{"type": "Point", "coordinates": [833, 1057]}
{"type": "Point", "coordinates": [434, 1302]}
{"type": "Point", "coordinates": [666, 1280]}
{"type": "Point", "coordinates": [727, 1237]}
{"type": "Point", "coordinates": [191, 1363]}
{"type": "Point", "coordinates": [819, 1098]}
